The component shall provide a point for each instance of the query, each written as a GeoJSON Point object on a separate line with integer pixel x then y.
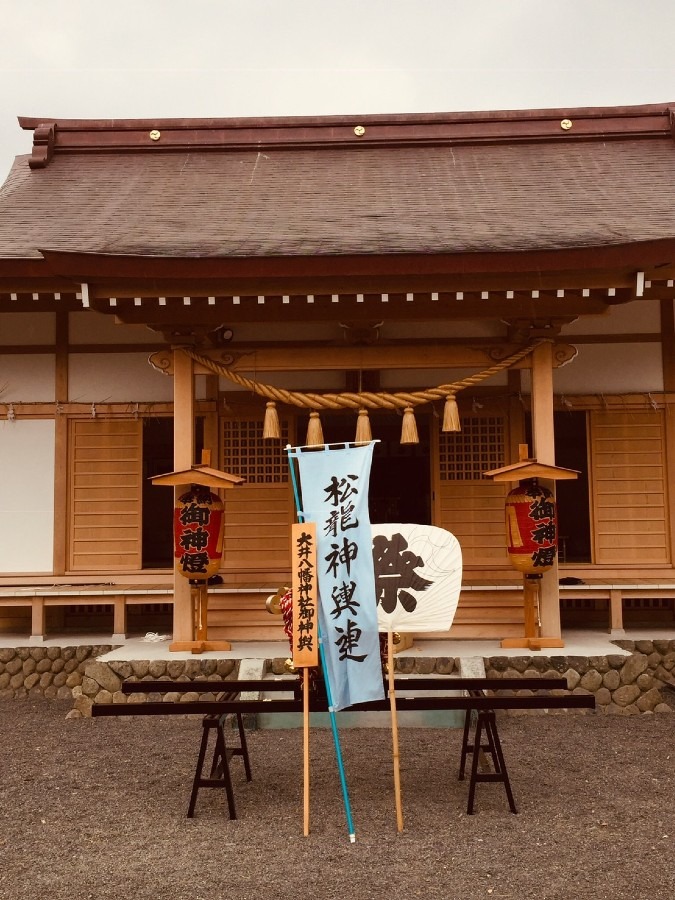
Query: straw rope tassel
{"type": "Point", "coordinates": [409, 428]}
{"type": "Point", "coordinates": [363, 431]}
{"type": "Point", "coordinates": [314, 431]}
{"type": "Point", "coordinates": [451, 414]}
{"type": "Point", "coordinates": [271, 429]}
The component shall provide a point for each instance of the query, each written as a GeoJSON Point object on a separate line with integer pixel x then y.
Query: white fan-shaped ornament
{"type": "Point", "coordinates": [418, 577]}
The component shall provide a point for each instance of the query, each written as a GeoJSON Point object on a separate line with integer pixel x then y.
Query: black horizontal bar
{"type": "Point", "coordinates": [403, 704]}
{"type": "Point", "coordinates": [401, 683]}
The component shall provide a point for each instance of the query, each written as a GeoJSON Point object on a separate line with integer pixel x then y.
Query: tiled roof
{"type": "Point", "coordinates": [408, 193]}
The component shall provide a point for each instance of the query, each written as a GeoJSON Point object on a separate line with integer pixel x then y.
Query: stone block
{"type": "Point", "coordinates": [83, 705]}
{"type": "Point", "coordinates": [4, 680]}
{"type": "Point", "coordinates": [225, 667]}
{"type": "Point", "coordinates": [599, 663]}
{"type": "Point", "coordinates": [208, 667]}
{"type": "Point", "coordinates": [603, 697]}
{"type": "Point", "coordinates": [644, 647]}
{"type": "Point", "coordinates": [649, 700]}
{"type": "Point", "coordinates": [573, 678]}
{"type": "Point", "coordinates": [6, 654]}
{"type": "Point", "coordinates": [45, 679]}
{"type": "Point", "coordinates": [592, 681]}
{"type": "Point", "coordinates": [121, 667]}
{"type": "Point", "coordinates": [635, 665]}
{"type": "Point", "coordinates": [63, 693]}
{"type": "Point", "coordinates": [663, 708]}
{"type": "Point", "coordinates": [71, 665]}
{"type": "Point", "coordinates": [53, 653]}
{"type": "Point", "coordinates": [616, 661]}
{"type": "Point", "coordinates": [103, 675]}
{"type": "Point", "coordinates": [16, 681]}
{"type": "Point", "coordinates": [31, 680]}
{"type": "Point", "coordinates": [140, 667]}
{"type": "Point", "coordinates": [645, 681]}
{"type": "Point", "coordinates": [59, 679]}
{"type": "Point", "coordinates": [29, 666]}
{"type": "Point", "coordinates": [626, 694]}
{"type": "Point", "coordinates": [44, 665]}
{"type": "Point", "coordinates": [38, 653]}
{"type": "Point", "coordinates": [175, 667]}
{"type": "Point", "coordinates": [445, 665]}
{"type": "Point", "coordinates": [157, 668]}
{"type": "Point", "coordinates": [14, 665]}
{"type": "Point", "coordinates": [103, 697]}
{"type": "Point", "coordinates": [611, 679]}
{"type": "Point", "coordinates": [90, 687]}
{"type": "Point", "coordinates": [58, 663]}
{"type": "Point", "coordinates": [425, 665]}
{"type": "Point", "coordinates": [499, 663]}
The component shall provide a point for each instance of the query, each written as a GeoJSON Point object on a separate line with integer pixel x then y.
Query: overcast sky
{"type": "Point", "coordinates": [167, 58]}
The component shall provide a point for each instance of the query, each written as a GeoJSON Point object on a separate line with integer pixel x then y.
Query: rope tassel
{"type": "Point", "coordinates": [409, 428]}
{"type": "Point", "coordinates": [271, 429]}
{"type": "Point", "coordinates": [314, 431]}
{"type": "Point", "coordinates": [451, 414]}
{"type": "Point", "coordinates": [363, 431]}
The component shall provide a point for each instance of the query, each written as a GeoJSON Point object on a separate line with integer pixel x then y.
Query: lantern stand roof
{"type": "Point", "coordinates": [199, 474]}
{"type": "Point", "coordinates": [530, 468]}
{"type": "Point", "coordinates": [527, 467]}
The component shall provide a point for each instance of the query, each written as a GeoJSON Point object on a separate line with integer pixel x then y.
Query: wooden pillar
{"type": "Point", "coordinates": [183, 458]}
{"type": "Point", "coordinates": [668, 364]}
{"type": "Point", "coordinates": [37, 626]}
{"type": "Point", "coordinates": [60, 546]}
{"type": "Point", "coordinates": [211, 441]}
{"type": "Point", "coordinates": [544, 452]}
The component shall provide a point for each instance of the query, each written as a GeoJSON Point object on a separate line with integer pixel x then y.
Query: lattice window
{"type": "Point", "coordinates": [246, 454]}
{"type": "Point", "coordinates": [478, 447]}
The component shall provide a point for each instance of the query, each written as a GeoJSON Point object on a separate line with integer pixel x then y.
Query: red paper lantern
{"type": "Point", "coordinates": [531, 528]}
{"type": "Point", "coordinates": [198, 534]}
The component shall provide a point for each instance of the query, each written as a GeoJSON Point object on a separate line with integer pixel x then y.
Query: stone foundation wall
{"type": "Point", "coordinates": [622, 685]}
{"type": "Point", "coordinates": [52, 672]}
{"type": "Point", "coordinates": [102, 681]}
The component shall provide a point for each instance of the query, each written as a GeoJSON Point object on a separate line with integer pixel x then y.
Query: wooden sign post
{"type": "Point", "coordinates": [305, 629]}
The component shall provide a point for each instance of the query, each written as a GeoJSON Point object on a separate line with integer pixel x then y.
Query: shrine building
{"type": "Point", "coordinates": [166, 284]}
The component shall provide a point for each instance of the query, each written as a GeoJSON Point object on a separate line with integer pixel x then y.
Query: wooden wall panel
{"type": "Point", "coordinates": [474, 513]}
{"type": "Point", "coordinates": [259, 513]}
{"type": "Point", "coordinates": [466, 503]}
{"type": "Point", "coordinates": [628, 467]}
{"type": "Point", "coordinates": [105, 494]}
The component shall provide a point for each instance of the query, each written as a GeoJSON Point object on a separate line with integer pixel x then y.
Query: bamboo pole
{"type": "Point", "coordinates": [394, 731]}
{"type": "Point", "coordinates": [305, 722]}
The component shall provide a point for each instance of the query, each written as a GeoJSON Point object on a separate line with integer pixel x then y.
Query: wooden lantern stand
{"type": "Point", "coordinates": [204, 476]}
{"type": "Point", "coordinates": [524, 469]}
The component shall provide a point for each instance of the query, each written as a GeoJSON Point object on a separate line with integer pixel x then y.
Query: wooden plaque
{"type": "Point", "coordinates": [305, 595]}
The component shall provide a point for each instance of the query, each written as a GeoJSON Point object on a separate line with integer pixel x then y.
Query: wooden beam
{"type": "Point", "coordinates": [348, 309]}
{"type": "Point", "coordinates": [324, 358]}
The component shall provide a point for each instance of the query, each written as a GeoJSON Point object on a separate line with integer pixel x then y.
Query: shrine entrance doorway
{"type": "Point", "coordinates": [400, 480]}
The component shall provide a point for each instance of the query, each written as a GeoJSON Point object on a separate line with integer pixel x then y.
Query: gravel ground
{"type": "Point", "coordinates": [95, 808]}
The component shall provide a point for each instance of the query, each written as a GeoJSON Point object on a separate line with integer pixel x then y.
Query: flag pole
{"type": "Point", "coordinates": [394, 730]}
{"type": "Point", "coordinates": [331, 710]}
